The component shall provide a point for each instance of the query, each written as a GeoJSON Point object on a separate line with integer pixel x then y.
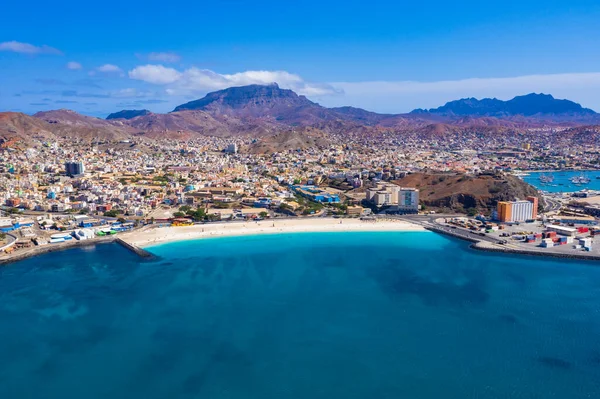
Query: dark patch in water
{"type": "Point", "coordinates": [594, 358]}
{"type": "Point", "coordinates": [508, 318]}
{"type": "Point", "coordinates": [223, 355]}
{"type": "Point", "coordinates": [555, 362]}
{"type": "Point", "coordinates": [48, 368]}
{"type": "Point", "coordinates": [400, 281]}
{"type": "Point", "coordinates": [80, 341]}
{"type": "Point", "coordinates": [515, 278]}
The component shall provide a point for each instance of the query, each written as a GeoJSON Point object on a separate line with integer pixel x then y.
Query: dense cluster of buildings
{"type": "Point", "coordinates": [140, 176]}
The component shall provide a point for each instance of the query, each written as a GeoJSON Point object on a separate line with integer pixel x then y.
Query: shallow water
{"type": "Point", "coordinates": [313, 315]}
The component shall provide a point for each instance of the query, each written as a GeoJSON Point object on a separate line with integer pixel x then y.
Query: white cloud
{"type": "Point", "coordinates": [132, 93]}
{"type": "Point", "coordinates": [26, 48]}
{"type": "Point", "coordinates": [109, 68]}
{"type": "Point", "coordinates": [74, 65]}
{"type": "Point", "coordinates": [155, 74]}
{"type": "Point", "coordinates": [195, 80]}
{"type": "Point", "coordinates": [164, 57]}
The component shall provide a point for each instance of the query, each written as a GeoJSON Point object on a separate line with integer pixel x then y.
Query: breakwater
{"type": "Point", "coordinates": [135, 249]}
{"type": "Point", "coordinates": [40, 250]}
{"type": "Point", "coordinates": [484, 246]}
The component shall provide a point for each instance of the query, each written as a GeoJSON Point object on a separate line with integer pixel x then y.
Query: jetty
{"type": "Point", "coordinates": [142, 253]}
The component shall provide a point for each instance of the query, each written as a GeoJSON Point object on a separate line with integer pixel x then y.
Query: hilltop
{"type": "Point", "coordinates": [128, 114]}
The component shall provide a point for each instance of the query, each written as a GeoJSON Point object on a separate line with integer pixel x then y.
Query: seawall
{"type": "Point", "coordinates": [486, 247]}
{"type": "Point", "coordinates": [135, 249]}
{"type": "Point", "coordinates": [39, 250]}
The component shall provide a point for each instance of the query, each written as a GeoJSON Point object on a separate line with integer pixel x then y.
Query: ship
{"type": "Point", "coordinates": [581, 179]}
{"type": "Point", "coordinates": [546, 178]}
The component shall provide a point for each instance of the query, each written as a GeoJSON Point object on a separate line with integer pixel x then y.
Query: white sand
{"type": "Point", "coordinates": [155, 235]}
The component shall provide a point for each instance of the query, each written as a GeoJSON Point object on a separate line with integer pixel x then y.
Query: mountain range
{"type": "Point", "coordinates": [268, 110]}
{"type": "Point", "coordinates": [530, 105]}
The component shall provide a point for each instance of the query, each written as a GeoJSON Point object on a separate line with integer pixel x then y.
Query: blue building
{"type": "Point", "coordinates": [262, 203]}
{"type": "Point", "coordinates": [316, 194]}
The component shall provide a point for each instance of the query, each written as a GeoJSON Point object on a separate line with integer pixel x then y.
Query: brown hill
{"type": "Point", "coordinates": [296, 139]}
{"type": "Point", "coordinates": [460, 192]}
{"type": "Point", "coordinates": [191, 123]}
{"type": "Point", "coordinates": [19, 127]}
{"type": "Point", "coordinates": [72, 124]}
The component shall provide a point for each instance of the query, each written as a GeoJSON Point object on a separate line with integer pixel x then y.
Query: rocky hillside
{"type": "Point", "coordinates": [461, 192]}
{"type": "Point", "coordinates": [28, 130]}
{"type": "Point", "coordinates": [70, 123]}
{"type": "Point", "coordinates": [289, 140]}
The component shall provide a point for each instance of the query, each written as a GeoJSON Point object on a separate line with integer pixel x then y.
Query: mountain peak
{"type": "Point", "coordinates": [525, 105]}
{"type": "Point", "coordinates": [258, 101]}
{"type": "Point", "coordinates": [128, 114]}
{"type": "Point", "coordinates": [238, 97]}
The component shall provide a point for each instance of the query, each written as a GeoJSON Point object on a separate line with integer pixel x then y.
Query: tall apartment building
{"type": "Point", "coordinates": [517, 211]}
{"type": "Point", "coordinates": [74, 168]}
{"type": "Point", "coordinates": [535, 202]}
{"type": "Point", "coordinates": [401, 199]}
{"type": "Point", "coordinates": [231, 148]}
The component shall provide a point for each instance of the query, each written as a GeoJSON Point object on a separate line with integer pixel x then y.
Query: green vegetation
{"type": "Point", "coordinates": [197, 214]}
{"type": "Point", "coordinates": [472, 212]}
{"type": "Point", "coordinates": [113, 213]}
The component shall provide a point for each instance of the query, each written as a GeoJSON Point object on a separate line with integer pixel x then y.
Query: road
{"type": "Point", "coordinates": [552, 205]}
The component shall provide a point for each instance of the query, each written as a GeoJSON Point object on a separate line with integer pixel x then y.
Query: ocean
{"type": "Point", "coordinates": [562, 182]}
{"type": "Point", "coordinates": [311, 315]}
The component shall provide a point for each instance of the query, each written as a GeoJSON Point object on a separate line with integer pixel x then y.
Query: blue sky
{"type": "Point", "coordinates": [382, 56]}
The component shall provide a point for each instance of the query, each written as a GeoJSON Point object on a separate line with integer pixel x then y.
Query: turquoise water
{"type": "Point", "coordinates": [328, 315]}
{"type": "Point", "coordinates": [562, 183]}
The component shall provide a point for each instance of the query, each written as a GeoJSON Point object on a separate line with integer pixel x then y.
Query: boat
{"type": "Point", "coordinates": [581, 179]}
{"type": "Point", "coordinates": [546, 178]}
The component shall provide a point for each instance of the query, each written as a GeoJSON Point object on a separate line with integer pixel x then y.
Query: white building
{"type": "Point", "coordinates": [522, 211]}
{"type": "Point", "coordinates": [401, 199]}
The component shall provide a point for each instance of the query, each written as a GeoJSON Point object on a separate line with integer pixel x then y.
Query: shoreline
{"type": "Point", "coordinates": [140, 241]}
{"type": "Point", "coordinates": [37, 250]}
{"type": "Point", "coordinates": [161, 235]}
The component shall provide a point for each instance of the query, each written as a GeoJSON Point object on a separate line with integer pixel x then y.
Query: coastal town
{"type": "Point", "coordinates": [67, 190]}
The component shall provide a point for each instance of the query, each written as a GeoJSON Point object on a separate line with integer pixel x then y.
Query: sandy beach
{"type": "Point", "coordinates": [156, 235]}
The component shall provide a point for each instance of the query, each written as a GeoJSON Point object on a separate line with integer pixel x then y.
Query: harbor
{"type": "Point", "coordinates": [563, 180]}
